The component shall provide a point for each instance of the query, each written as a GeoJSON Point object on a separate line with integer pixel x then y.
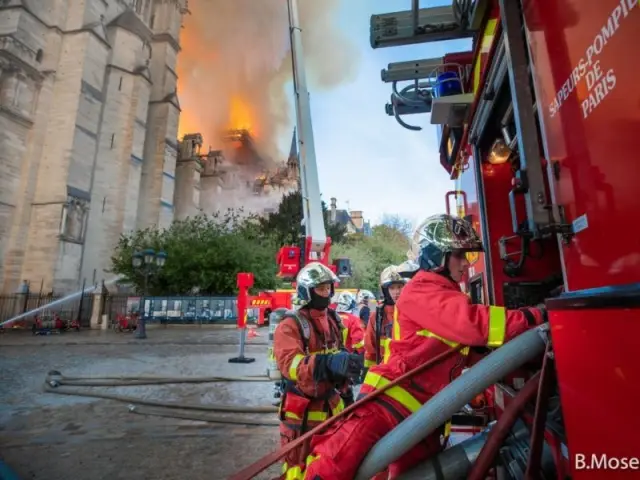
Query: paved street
{"type": "Point", "coordinates": [56, 437]}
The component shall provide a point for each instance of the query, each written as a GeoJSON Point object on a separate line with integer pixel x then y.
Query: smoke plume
{"type": "Point", "coordinates": [235, 66]}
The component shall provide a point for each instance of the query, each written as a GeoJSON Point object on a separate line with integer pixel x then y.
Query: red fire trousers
{"type": "Point", "coordinates": [338, 453]}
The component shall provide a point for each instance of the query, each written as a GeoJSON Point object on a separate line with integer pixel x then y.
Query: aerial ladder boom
{"type": "Point", "coordinates": [317, 245]}
{"type": "Point", "coordinates": [310, 185]}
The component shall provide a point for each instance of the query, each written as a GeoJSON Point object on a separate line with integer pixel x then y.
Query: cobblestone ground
{"type": "Point", "coordinates": [56, 437]}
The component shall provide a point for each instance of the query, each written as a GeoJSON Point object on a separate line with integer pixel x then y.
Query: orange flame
{"type": "Point", "coordinates": [242, 116]}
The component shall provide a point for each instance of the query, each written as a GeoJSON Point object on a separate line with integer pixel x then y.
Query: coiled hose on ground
{"type": "Point", "coordinates": [451, 399]}
{"type": "Point", "coordinates": [55, 380]}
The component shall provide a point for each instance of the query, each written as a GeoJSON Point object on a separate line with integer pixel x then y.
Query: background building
{"type": "Point", "coordinates": [88, 132]}
{"type": "Point", "coordinates": [353, 220]}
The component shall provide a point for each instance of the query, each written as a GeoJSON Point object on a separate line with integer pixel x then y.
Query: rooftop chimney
{"type": "Point", "coordinates": [334, 207]}
{"type": "Point", "coordinates": [356, 218]}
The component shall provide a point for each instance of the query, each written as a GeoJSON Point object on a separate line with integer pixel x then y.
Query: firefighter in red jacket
{"type": "Point", "coordinates": [378, 333]}
{"type": "Point", "coordinates": [353, 331]}
{"type": "Point", "coordinates": [316, 369]}
{"type": "Point", "coordinates": [432, 315]}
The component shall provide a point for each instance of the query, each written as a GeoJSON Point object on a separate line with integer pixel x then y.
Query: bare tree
{"type": "Point", "coordinates": [403, 225]}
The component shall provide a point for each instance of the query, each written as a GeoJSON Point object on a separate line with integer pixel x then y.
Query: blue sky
{"type": "Point", "coordinates": [364, 156]}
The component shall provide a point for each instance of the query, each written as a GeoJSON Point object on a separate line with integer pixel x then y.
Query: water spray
{"type": "Point", "coordinates": [60, 301]}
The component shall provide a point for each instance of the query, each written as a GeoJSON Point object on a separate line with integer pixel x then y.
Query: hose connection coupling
{"type": "Point", "coordinates": [545, 333]}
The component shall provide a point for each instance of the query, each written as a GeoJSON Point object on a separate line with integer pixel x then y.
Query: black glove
{"type": "Point", "coordinates": [338, 366]}
{"type": "Point", "coordinates": [362, 376]}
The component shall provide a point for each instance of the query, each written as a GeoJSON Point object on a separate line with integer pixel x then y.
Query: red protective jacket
{"type": "Point", "coordinates": [352, 332]}
{"type": "Point", "coordinates": [370, 354]}
{"type": "Point", "coordinates": [433, 315]}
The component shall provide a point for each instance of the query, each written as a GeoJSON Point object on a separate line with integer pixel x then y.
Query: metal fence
{"type": "Point", "coordinates": [79, 308]}
{"type": "Point", "coordinates": [181, 310]}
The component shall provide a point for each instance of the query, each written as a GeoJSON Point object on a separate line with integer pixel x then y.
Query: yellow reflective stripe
{"type": "Point", "coordinates": [345, 334]}
{"type": "Point", "coordinates": [396, 325]}
{"type": "Point", "coordinates": [385, 344]}
{"type": "Point", "coordinates": [358, 345]}
{"type": "Point", "coordinates": [369, 363]}
{"type": "Point", "coordinates": [447, 429]}
{"type": "Point", "coordinates": [314, 416]}
{"type": "Point", "coordinates": [487, 40]}
{"type": "Point", "coordinates": [427, 333]}
{"type": "Point", "coordinates": [293, 368]}
{"type": "Point", "coordinates": [338, 408]}
{"type": "Point", "coordinates": [294, 473]}
{"type": "Point", "coordinates": [285, 467]}
{"type": "Point", "coordinates": [399, 394]}
{"type": "Point", "coordinates": [497, 326]}
{"type": "Point", "coordinates": [449, 343]}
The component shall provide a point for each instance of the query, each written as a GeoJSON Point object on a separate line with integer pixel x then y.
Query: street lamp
{"type": "Point", "coordinates": [148, 261]}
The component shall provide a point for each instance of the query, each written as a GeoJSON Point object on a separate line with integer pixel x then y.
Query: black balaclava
{"type": "Point", "coordinates": [317, 302]}
{"type": "Point", "coordinates": [445, 272]}
{"type": "Point", "coordinates": [386, 297]}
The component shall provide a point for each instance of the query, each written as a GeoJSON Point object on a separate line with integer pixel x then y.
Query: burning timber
{"type": "Point", "coordinates": [239, 175]}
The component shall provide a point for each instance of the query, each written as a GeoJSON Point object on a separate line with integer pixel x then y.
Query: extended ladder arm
{"type": "Point", "coordinates": [311, 201]}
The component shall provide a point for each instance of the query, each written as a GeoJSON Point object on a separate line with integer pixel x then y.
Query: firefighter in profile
{"type": "Point", "coordinates": [378, 333]}
{"type": "Point", "coordinates": [315, 367]}
{"type": "Point", "coordinates": [352, 332]}
{"type": "Point", "coordinates": [433, 315]}
{"type": "Point", "coordinates": [363, 299]}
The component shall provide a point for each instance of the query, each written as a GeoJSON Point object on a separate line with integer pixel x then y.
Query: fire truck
{"type": "Point", "coordinates": [536, 127]}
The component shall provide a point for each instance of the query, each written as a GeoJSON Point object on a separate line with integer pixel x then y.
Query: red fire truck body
{"type": "Point", "coordinates": [547, 175]}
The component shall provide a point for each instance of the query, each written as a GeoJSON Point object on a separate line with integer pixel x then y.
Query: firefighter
{"type": "Point", "coordinates": [353, 331]}
{"type": "Point", "coordinates": [315, 368]}
{"type": "Point", "coordinates": [378, 333]}
{"type": "Point", "coordinates": [363, 298]}
{"type": "Point", "coordinates": [432, 314]}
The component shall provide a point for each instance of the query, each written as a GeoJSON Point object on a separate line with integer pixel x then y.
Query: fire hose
{"type": "Point", "coordinates": [55, 377]}
{"type": "Point", "coordinates": [55, 380]}
{"type": "Point", "coordinates": [265, 462]}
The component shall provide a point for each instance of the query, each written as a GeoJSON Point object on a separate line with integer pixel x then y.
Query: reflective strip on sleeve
{"type": "Point", "coordinates": [399, 394]}
{"type": "Point", "coordinates": [358, 345]}
{"type": "Point", "coordinates": [338, 408]}
{"type": "Point", "coordinates": [449, 343]}
{"type": "Point", "coordinates": [369, 363]}
{"type": "Point", "coordinates": [293, 368]}
{"type": "Point", "coordinates": [497, 326]}
{"type": "Point", "coordinates": [312, 416]}
{"type": "Point", "coordinates": [396, 325]}
{"type": "Point", "coordinates": [345, 334]}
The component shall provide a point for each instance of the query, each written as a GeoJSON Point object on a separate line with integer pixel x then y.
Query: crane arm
{"type": "Point", "coordinates": [309, 182]}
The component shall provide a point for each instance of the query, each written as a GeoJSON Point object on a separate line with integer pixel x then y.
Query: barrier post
{"type": "Point", "coordinates": [244, 282]}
